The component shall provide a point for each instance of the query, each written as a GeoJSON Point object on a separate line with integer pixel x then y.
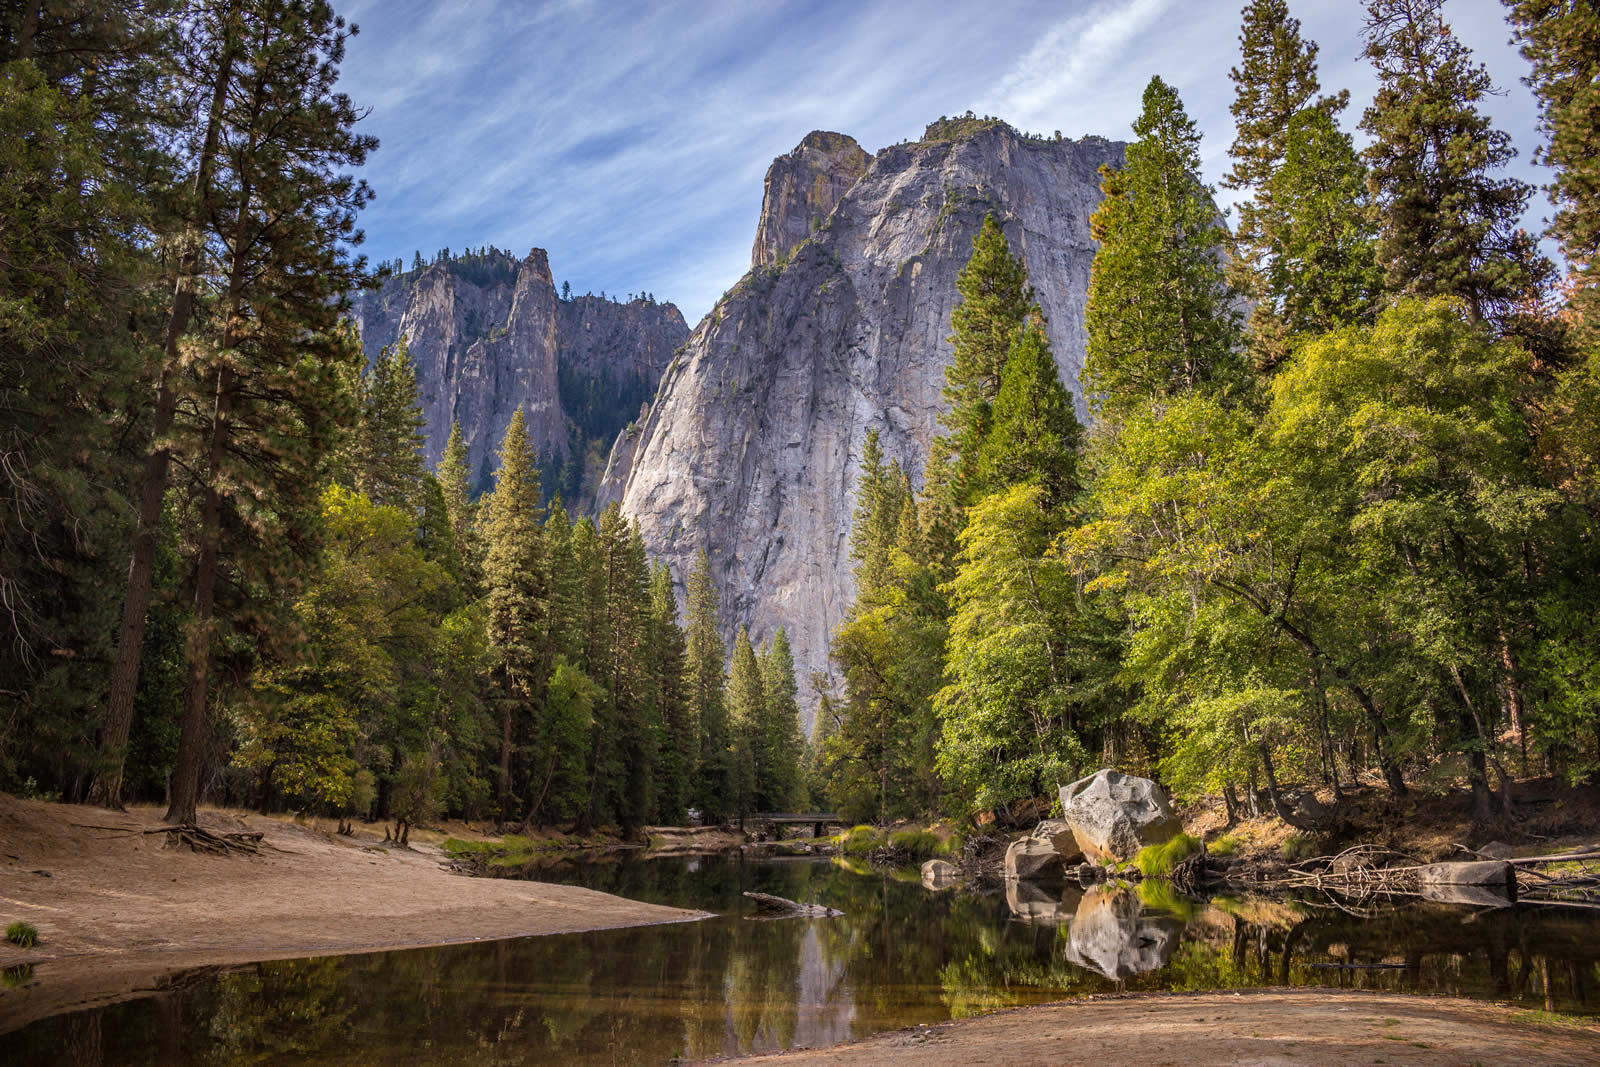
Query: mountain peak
{"type": "Point", "coordinates": [802, 188]}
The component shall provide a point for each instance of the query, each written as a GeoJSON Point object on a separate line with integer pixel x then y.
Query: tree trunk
{"type": "Point", "coordinates": [107, 786]}
{"type": "Point", "coordinates": [196, 690]}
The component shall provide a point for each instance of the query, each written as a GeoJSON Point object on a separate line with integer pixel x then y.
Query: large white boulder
{"type": "Point", "coordinates": [1113, 815]}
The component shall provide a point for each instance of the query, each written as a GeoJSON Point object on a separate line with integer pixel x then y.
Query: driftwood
{"type": "Point", "coordinates": [198, 839]}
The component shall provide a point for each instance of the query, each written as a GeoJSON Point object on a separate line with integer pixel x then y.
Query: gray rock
{"type": "Point", "coordinates": [1033, 859]}
{"type": "Point", "coordinates": [1113, 935]}
{"type": "Point", "coordinates": [752, 446]}
{"type": "Point", "coordinates": [1058, 832]}
{"type": "Point", "coordinates": [802, 188]}
{"type": "Point", "coordinates": [489, 335]}
{"type": "Point", "coordinates": [1496, 874]}
{"type": "Point", "coordinates": [939, 875]}
{"type": "Point", "coordinates": [1114, 815]}
{"type": "Point", "coordinates": [1496, 850]}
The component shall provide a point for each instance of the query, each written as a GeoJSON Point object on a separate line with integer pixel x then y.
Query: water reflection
{"type": "Point", "coordinates": [899, 955]}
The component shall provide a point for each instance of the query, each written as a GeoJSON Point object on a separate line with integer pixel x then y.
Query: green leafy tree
{"type": "Point", "coordinates": [780, 745]}
{"type": "Point", "coordinates": [1036, 434]}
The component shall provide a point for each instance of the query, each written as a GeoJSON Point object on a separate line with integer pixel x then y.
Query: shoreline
{"type": "Point", "coordinates": [1273, 1025]}
{"type": "Point", "coordinates": [118, 913]}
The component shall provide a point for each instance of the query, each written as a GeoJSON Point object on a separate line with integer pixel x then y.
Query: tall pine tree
{"type": "Point", "coordinates": [714, 786]}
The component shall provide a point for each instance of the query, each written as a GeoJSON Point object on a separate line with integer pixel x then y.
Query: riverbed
{"type": "Point", "coordinates": [899, 956]}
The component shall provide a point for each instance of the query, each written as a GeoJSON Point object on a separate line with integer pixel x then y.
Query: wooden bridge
{"type": "Point", "coordinates": [819, 820]}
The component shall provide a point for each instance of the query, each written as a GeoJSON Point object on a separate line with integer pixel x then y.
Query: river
{"type": "Point", "coordinates": [899, 956]}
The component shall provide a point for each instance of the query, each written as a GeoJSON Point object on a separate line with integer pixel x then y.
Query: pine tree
{"type": "Point", "coordinates": [1036, 434]}
{"type": "Point", "coordinates": [389, 437]}
{"type": "Point", "coordinates": [455, 481]}
{"type": "Point", "coordinates": [713, 787]}
{"type": "Point", "coordinates": [1159, 314]}
{"type": "Point", "coordinates": [1276, 78]}
{"type": "Point", "coordinates": [1324, 273]}
{"type": "Point", "coordinates": [626, 757]}
{"type": "Point", "coordinates": [669, 671]}
{"type": "Point", "coordinates": [1561, 39]}
{"type": "Point", "coordinates": [746, 711]}
{"type": "Point", "coordinates": [516, 576]}
{"type": "Point", "coordinates": [995, 301]}
{"type": "Point", "coordinates": [270, 400]}
{"type": "Point", "coordinates": [1447, 226]}
{"type": "Point", "coordinates": [780, 748]}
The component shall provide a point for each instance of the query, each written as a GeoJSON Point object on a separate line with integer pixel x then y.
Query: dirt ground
{"type": "Point", "coordinates": [1185, 1030]}
{"type": "Point", "coordinates": [116, 911]}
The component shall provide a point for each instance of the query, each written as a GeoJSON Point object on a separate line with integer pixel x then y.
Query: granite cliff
{"type": "Point", "coordinates": [489, 334]}
{"type": "Point", "coordinates": [752, 444]}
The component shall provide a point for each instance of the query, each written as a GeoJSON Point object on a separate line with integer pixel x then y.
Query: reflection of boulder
{"type": "Point", "coordinates": [1032, 904]}
{"type": "Point", "coordinates": [1114, 935]}
{"type": "Point", "coordinates": [939, 875]}
{"type": "Point", "coordinates": [1115, 815]}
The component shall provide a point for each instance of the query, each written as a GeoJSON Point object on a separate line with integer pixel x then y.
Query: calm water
{"type": "Point", "coordinates": [899, 956]}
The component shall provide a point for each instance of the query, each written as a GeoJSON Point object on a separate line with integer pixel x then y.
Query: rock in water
{"type": "Point", "coordinates": [752, 446]}
{"type": "Point", "coordinates": [1044, 854]}
{"type": "Point", "coordinates": [1114, 815]}
{"type": "Point", "coordinates": [488, 334]}
{"type": "Point", "coordinates": [939, 875]}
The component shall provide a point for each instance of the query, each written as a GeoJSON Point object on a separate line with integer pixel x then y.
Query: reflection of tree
{"type": "Point", "coordinates": [274, 1009]}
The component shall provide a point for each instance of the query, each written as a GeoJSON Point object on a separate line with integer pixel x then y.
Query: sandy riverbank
{"type": "Point", "coordinates": [1190, 1029]}
{"type": "Point", "coordinates": [118, 911]}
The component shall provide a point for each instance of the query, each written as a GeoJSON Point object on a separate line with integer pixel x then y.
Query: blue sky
{"type": "Point", "coordinates": [630, 139]}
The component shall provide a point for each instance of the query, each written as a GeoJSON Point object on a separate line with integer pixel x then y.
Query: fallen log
{"type": "Point", "coordinates": [783, 907]}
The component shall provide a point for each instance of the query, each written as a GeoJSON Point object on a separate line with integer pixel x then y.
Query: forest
{"type": "Point", "coordinates": [1333, 520]}
{"type": "Point", "coordinates": [226, 571]}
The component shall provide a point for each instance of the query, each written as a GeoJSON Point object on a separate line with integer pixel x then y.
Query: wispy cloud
{"type": "Point", "coordinates": [630, 138]}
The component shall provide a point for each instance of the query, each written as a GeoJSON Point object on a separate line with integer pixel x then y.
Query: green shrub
{"type": "Point", "coordinates": [22, 934]}
{"type": "Point", "coordinates": [920, 843]}
{"type": "Point", "coordinates": [1157, 861]}
{"type": "Point", "coordinates": [1226, 845]}
{"type": "Point", "coordinates": [950, 846]}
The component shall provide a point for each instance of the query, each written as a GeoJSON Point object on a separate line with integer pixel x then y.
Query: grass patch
{"type": "Point", "coordinates": [1226, 845]}
{"type": "Point", "coordinates": [23, 935]}
{"type": "Point", "coordinates": [1552, 1018]}
{"type": "Point", "coordinates": [950, 846]}
{"type": "Point", "coordinates": [1297, 847]}
{"type": "Point", "coordinates": [920, 843]}
{"type": "Point", "coordinates": [1157, 861]}
{"type": "Point", "coordinates": [859, 840]}
{"type": "Point", "coordinates": [512, 850]}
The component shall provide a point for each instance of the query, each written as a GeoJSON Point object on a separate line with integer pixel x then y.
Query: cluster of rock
{"type": "Point", "coordinates": [1108, 816]}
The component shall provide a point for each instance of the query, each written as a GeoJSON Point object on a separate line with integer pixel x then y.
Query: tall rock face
{"type": "Point", "coordinates": [752, 446]}
{"type": "Point", "coordinates": [489, 334]}
{"type": "Point", "coordinates": [802, 188]}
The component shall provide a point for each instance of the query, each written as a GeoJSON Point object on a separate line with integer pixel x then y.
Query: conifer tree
{"type": "Point", "coordinates": [746, 712]}
{"type": "Point", "coordinates": [1447, 225]}
{"type": "Point", "coordinates": [270, 397]}
{"type": "Point", "coordinates": [1036, 434]}
{"type": "Point", "coordinates": [388, 438]}
{"type": "Point", "coordinates": [713, 786]}
{"type": "Point", "coordinates": [680, 748]}
{"type": "Point", "coordinates": [780, 745]}
{"type": "Point", "coordinates": [1561, 40]}
{"type": "Point", "coordinates": [455, 483]}
{"type": "Point", "coordinates": [626, 754]}
{"type": "Point", "coordinates": [1276, 78]}
{"type": "Point", "coordinates": [1159, 314]}
{"type": "Point", "coordinates": [995, 301]}
{"type": "Point", "coordinates": [516, 577]}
